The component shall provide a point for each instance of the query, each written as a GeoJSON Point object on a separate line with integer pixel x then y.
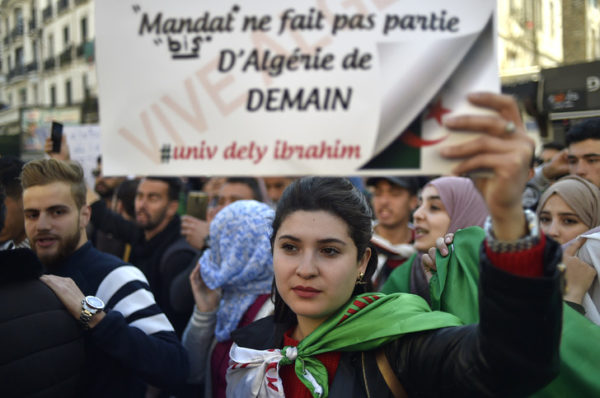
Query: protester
{"type": "Point", "coordinates": [196, 232]}
{"type": "Point", "coordinates": [568, 208]}
{"type": "Point", "coordinates": [157, 246]}
{"type": "Point", "coordinates": [447, 205]}
{"type": "Point", "coordinates": [13, 232]}
{"type": "Point", "coordinates": [231, 286]}
{"type": "Point", "coordinates": [275, 187]}
{"type": "Point", "coordinates": [394, 199]}
{"type": "Point", "coordinates": [27, 306]}
{"type": "Point", "coordinates": [582, 157]}
{"type": "Point", "coordinates": [321, 235]}
{"type": "Point", "coordinates": [129, 341]}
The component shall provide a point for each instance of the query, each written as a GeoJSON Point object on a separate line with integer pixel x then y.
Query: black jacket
{"type": "Point", "coordinates": [41, 345]}
{"type": "Point", "coordinates": [512, 352]}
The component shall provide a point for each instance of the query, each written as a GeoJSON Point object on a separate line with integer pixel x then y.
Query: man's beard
{"type": "Point", "coordinates": [104, 190]}
{"type": "Point", "coordinates": [66, 246]}
{"type": "Point", "coordinates": [151, 223]}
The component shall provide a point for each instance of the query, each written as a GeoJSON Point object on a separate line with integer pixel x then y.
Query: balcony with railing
{"type": "Point", "coordinates": [47, 13]}
{"type": "Point", "coordinates": [17, 31]}
{"type": "Point", "coordinates": [66, 56]}
{"type": "Point", "coordinates": [49, 63]}
{"type": "Point", "coordinates": [78, 2]}
{"type": "Point", "coordinates": [32, 24]}
{"type": "Point", "coordinates": [18, 70]}
{"type": "Point", "coordinates": [31, 67]}
{"type": "Point", "coordinates": [63, 5]}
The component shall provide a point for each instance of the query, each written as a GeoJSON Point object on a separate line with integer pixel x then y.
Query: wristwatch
{"type": "Point", "coordinates": [89, 307]}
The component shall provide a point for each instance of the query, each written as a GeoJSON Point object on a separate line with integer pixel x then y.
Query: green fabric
{"type": "Point", "coordinates": [368, 321]}
{"type": "Point", "coordinates": [455, 290]}
{"type": "Point", "coordinates": [454, 286]}
{"type": "Point", "coordinates": [399, 279]}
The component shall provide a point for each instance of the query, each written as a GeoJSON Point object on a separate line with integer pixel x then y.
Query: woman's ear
{"type": "Point", "coordinates": [364, 261]}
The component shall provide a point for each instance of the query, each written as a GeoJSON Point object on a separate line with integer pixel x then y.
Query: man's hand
{"type": "Point", "coordinates": [504, 151]}
{"type": "Point", "coordinates": [207, 299]}
{"type": "Point", "coordinates": [194, 230]}
{"type": "Point", "coordinates": [557, 167]}
{"type": "Point", "coordinates": [64, 153]}
{"type": "Point", "coordinates": [70, 295]}
{"type": "Point", "coordinates": [579, 275]}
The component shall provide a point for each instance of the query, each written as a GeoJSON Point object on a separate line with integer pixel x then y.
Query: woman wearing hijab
{"type": "Point", "coordinates": [453, 286]}
{"type": "Point", "coordinates": [231, 287]}
{"type": "Point", "coordinates": [447, 205]}
{"type": "Point", "coordinates": [569, 208]}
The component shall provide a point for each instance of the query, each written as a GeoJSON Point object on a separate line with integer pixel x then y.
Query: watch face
{"type": "Point", "coordinates": [94, 302]}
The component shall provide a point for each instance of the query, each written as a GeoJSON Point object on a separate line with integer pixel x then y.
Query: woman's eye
{"type": "Point", "coordinates": [286, 247]}
{"type": "Point", "coordinates": [330, 251]}
{"type": "Point", "coordinates": [545, 220]}
{"type": "Point", "coordinates": [570, 221]}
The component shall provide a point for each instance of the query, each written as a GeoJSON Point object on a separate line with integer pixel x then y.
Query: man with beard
{"type": "Point", "coordinates": [157, 246]}
{"type": "Point", "coordinates": [129, 341]}
{"type": "Point", "coordinates": [394, 199]}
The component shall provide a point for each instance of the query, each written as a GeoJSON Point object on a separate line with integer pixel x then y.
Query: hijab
{"type": "Point", "coordinates": [580, 195]}
{"type": "Point", "coordinates": [238, 260]}
{"type": "Point", "coordinates": [462, 201]}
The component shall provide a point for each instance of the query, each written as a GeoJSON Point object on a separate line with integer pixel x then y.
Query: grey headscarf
{"type": "Point", "coordinates": [580, 195]}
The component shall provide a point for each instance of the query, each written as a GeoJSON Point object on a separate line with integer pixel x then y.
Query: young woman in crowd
{"type": "Point", "coordinates": [325, 340]}
{"type": "Point", "coordinates": [567, 209]}
{"type": "Point", "coordinates": [447, 204]}
{"type": "Point", "coordinates": [231, 287]}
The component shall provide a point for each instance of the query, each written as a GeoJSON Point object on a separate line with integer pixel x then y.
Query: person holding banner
{"type": "Point", "coordinates": [329, 337]}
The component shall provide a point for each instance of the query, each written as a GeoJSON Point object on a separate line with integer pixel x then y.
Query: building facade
{"type": "Point", "coordinates": [47, 53]}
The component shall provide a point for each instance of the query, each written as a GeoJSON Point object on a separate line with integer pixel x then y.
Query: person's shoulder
{"type": "Point", "coordinates": [258, 335]}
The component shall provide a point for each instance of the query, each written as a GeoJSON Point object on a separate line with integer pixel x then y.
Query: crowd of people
{"type": "Point", "coordinates": [470, 284]}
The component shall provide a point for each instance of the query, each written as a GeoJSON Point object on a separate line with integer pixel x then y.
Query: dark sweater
{"type": "Point", "coordinates": [135, 343]}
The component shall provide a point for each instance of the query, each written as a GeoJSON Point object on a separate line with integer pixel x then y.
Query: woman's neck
{"type": "Point", "coordinates": [305, 327]}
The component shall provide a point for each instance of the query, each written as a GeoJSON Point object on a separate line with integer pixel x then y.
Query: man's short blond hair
{"type": "Point", "coordinates": [47, 171]}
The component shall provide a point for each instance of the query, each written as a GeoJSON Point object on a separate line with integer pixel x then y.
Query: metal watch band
{"type": "Point", "coordinates": [525, 243]}
{"type": "Point", "coordinates": [85, 317]}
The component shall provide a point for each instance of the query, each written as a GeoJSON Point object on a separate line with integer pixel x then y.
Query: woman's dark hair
{"type": "Point", "coordinates": [336, 196]}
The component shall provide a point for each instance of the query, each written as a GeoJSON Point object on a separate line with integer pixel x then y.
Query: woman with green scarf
{"type": "Point", "coordinates": [329, 337]}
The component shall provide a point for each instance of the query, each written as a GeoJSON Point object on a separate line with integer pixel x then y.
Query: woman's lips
{"type": "Point", "coordinates": [420, 232]}
{"type": "Point", "coordinates": [305, 291]}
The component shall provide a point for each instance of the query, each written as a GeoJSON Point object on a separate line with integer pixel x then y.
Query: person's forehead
{"type": "Point", "coordinates": [44, 196]}
{"type": "Point", "coordinates": [236, 189]}
{"type": "Point", "coordinates": [153, 186]}
{"type": "Point", "coordinates": [581, 148]}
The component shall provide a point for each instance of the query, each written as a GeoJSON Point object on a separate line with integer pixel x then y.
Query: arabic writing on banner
{"type": "Point", "coordinates": [287, 87]}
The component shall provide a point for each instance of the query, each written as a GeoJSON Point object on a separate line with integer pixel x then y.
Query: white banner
{"type": "Point", "coordinates": [285, 87]}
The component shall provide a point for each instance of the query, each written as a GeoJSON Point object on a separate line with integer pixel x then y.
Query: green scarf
{"type": "Point", "coordinates": [368, 321]}
{"type": "Point", "coordinates": [454, 289]}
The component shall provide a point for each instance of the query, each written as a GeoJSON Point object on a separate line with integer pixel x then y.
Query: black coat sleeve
{"type": "Point", "coordinates": [110, 222]}
{"type": "Point", "coordinates": [512, 352]}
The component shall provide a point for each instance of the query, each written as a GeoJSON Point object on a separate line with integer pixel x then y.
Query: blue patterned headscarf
{"type": "Point", "coordinates": [238, 260]}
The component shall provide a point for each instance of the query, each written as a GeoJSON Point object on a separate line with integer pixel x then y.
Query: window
{"type": "Point", "coordinates": [84, 30]}
{"type": "Point", "coordinates": [66, 35]}
{"type": "Point", "coordinates": [19, 57]}
{"type": "Point", "coordinates": [23, 96]}
{"type": "Point", "coordinates": [50, 45]}
{"type": "Point", "coordinates": [69, 99]}
{"type": "Point", "coordinates": [35, 93]}
{"type": "Point", "coordinates": [34, 50]}
{"type": "Point", "coordinates": [53, 95]}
